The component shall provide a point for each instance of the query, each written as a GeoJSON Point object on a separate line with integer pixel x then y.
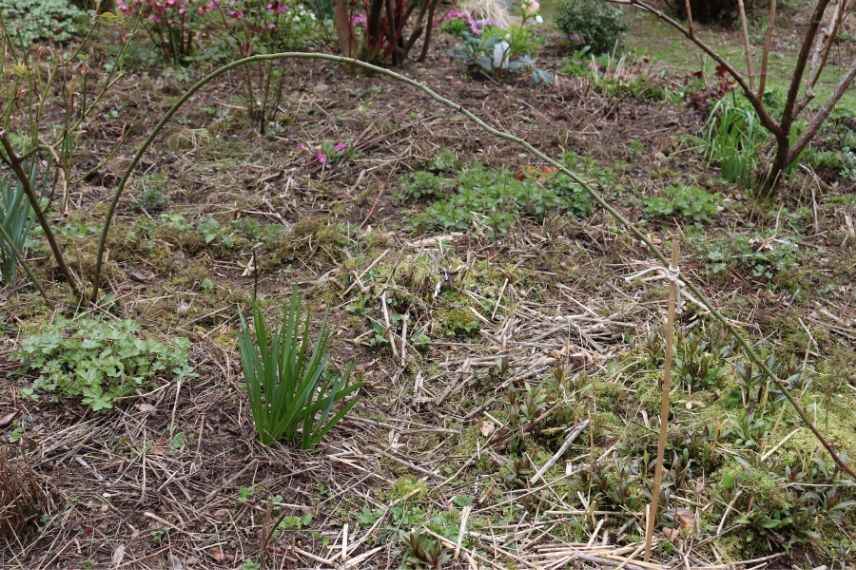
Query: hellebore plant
{"type": "Point", "coordinates": [327, 153]}
{"type": "Point", "coordinates": [496, 52]}
{"type": "Point", "coordinates": [170, 23]}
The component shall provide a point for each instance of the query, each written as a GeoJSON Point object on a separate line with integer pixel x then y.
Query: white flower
{"type": "Point", "coordinates": [500, 55]}
{"type": "Point", "coordinates": [538, 19]}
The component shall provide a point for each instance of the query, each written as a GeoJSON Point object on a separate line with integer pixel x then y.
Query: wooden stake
{"type": "Point", "coordinates": [746, 46]}
{"type": "Point", "coordinates": [765, 55]}
{"type": "Point", "coordinates": [669, 333]}
{"type": "Point", "coordinates": [689, 8]}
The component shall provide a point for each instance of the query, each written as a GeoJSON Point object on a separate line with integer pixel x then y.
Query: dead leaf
{"type": "Point", "coordinates": [146, 408]}
{"type": "Point", "coordinates": [7, 419]}
{"type": "Point", "coordinates": [686, 519]}
{"type": "Point", "coordinates": [487, 427]}
{"type": "Point", "coordinates": [217, 554]}
{"type": "Point", "coordinates": [141, 275]}
{"type": "Point", "coordinates": [118, 555]}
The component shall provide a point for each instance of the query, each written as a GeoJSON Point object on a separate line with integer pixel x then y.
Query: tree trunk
{"type": "Point", "coordinates": [777, 169]}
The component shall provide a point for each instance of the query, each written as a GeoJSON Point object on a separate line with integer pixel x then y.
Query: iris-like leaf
{"type": "Point", "coordinates": [293, 397]}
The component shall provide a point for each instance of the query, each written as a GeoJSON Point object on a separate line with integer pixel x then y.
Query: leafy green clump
{"type": "Point", "coordinates": [623, 76]}
{"type": "Point", "coordinates": [764, 258]}
{"type": "Point", "coordinates": [292, 393]}
{"type": "Point", "coordinates": [497, 200]}
{"type": "Point", "coordinates": [691, 203]}
{"type": "Point", "coordinates": [99, 360]}
{"type": "Point", "coordinates": [734, 138]}
{"type": "Point", "coordinates": [591, 23]}
{"type": "Point", "coordinates": [421, 184]}
{"type": "Point", "coordinates": [27, 21]}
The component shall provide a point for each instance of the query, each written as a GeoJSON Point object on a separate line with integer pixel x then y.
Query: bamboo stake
{"type": "Point", "coordinates": [669, 333]}
{"type": "Point", "coordinates": [765, 56]}
{"type": "Point", "coordinates": [747, 48]}
{"type": "Point", "coordinates": [689, 7]}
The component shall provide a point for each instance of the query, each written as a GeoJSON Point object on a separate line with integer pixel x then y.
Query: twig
{"type": "Point", "coordinates": [462, 530]}
{"type": "Point", "coordinates": [572, 436]}
{"type": "Point", "coordinates": [388, 324]}
{"type": "Point", "coordinates": [669, 333]}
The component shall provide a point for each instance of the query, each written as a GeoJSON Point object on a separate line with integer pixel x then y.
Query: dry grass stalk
{"type": "Point", "coordinates": [668, 332]}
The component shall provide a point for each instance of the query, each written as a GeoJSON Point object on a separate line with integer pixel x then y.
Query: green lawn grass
{"type": "Point", "coordinates": [649, 36]}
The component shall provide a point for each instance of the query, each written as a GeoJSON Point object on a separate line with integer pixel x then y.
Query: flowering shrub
{"type": "Point", "coordinates": [268, 26]}
{"type": "Point", "coordinates": [497, 52]}
{"type": "Point", "coordinates": [170, 23]}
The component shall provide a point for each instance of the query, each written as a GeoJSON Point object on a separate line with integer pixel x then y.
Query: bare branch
{"type": "Point", "coordinates": [757, 103]}
{"type": "Point", "coordinates": [821, 55]}
{"type": "Point", "coordinates": [796, 79]}
{"type": "Point", "coordinates": [15, 163]}
{"type": "Point", "coordinates": [823, 113]}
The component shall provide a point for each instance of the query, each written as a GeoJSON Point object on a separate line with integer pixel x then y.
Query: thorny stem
{"type": "Point", "coordinates": [15, 163]}
{"type": "Point", "coordinates": [505, 135]}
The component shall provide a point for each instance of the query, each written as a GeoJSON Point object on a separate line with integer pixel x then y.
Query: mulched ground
{"type": "Point", "coordinates": [124, 496]}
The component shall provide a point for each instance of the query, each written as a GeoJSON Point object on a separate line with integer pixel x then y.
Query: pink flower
{"type": "Point", "coordinates": [359, 20]}
{"type": "Point", "coordinates": [320, 157]}
{"type": "Point", "coordinates": [236, 14]}
{"type": "Point", "coordinates": [340, 147]}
